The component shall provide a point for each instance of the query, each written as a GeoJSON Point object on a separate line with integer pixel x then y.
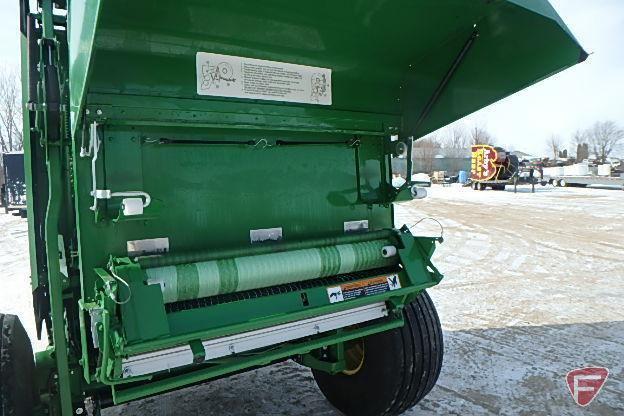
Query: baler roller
{"type": "Point", "coordinates": [171, 259]}
{"type": "Point", "coordinates": [209, 278]}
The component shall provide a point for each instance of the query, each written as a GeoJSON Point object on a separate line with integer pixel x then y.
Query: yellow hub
{"type": "Point", "coordinates": [354, 356]}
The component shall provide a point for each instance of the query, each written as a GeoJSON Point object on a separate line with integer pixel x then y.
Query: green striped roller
{"type": "Point", "coordinates": [209, 278]}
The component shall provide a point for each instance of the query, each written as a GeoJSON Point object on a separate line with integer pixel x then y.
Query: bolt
{"type": "Point", "coordinates": [79, 411]}
{"type": "Point", "coordinates": [87, 112]}
{"type": "Point", "coordinates": [98, 112]}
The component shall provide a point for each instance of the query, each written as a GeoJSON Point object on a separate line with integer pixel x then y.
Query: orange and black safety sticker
{"type": "Point", "coordinates": [366, 287]}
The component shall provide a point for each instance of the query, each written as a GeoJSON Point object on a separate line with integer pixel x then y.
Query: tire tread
{"type": "Point", "coordinates": [417, 365]}
{"type": "Point", "coordinates": [16, 368]}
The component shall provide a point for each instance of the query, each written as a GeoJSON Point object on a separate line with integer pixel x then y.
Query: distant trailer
{"type": "Point", "coordinates": [14, 189]}
{"type": "Point", "coordinates": [496, 168]}
{"type": "Point", "coordinates": [583, 174]}
{"type": "Point", "coordinates": [583, 181]}
{"type": "Point", "coordinates": [499, 185]}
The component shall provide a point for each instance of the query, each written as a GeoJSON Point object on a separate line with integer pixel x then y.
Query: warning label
{"type": "Point", "coordinates": [235, 76]}
{"type": "Point", "coordinates": [367, 287]}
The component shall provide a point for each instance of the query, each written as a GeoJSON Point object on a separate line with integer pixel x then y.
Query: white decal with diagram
{"type": "Point", "coordinates": [234, 76]}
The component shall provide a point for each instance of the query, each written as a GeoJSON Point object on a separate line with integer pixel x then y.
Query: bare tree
{"type": "Point", "coordinates": [479, 135]}
{"type": "Point", "coordinates": [554, 145]}
{"type": "Point", "coordinates": [579, 137]}
{"type": "Point", "coordinates": [578, 144]}
{"type": "Point", "coordinates": [604, 138]}
{"type": "Point", "coordinates": [582, 152]}
{"type": "Point", "coordinates": [424, 153]}
{"type": "Point", "coordinates": [11, 138]}
{"type": "Point", "coordinates": [456, 141]}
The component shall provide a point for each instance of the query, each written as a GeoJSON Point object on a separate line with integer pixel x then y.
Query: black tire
{"type": "Point", "coordinates": [399, 367]}
{"type": "Point", "coordinates": [17, 368]}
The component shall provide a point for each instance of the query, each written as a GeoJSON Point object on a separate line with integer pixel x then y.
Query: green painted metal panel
{"type": "Point", "coordinates": [386, 58]}
{"type": "Point", "coordinates": [515, 48]}
{"type": "Point", "coordinates": [32, 169]}
{"type": "Point", "coordinates": [213, 195]}
{"type": "Point", "coordinates": [545, 9]}
{"type": "Point", "coordinates": [144, 316]}
{"type": "Point", "coordinates": [83, 18]}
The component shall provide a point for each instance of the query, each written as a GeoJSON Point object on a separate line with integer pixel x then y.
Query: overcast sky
{"type": "Point", "coordinates": [574, 99]}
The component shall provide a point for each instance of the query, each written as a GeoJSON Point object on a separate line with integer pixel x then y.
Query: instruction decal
{"type": "Point", "coordinates": [366, 287]}
{"type": "Point", "coordinates": [234, 76]}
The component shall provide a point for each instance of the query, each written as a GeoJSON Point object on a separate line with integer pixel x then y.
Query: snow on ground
{"type": "Point", "coordinates": [15, 290]}
{"type": "Point", "coordinates": [534, 287]}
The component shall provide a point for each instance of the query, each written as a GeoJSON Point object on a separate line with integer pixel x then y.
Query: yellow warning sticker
{"type": "Point", "coordinates": [366, 287]}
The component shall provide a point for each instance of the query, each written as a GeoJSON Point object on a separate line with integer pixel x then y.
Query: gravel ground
{"type": "Point", "coordinates": [534, 288]}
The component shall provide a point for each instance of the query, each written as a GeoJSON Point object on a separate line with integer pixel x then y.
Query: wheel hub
{"type": "Point", "coordinates": [354, 357]}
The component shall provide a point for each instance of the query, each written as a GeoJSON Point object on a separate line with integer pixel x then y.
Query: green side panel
{"type": "Point", "coordinates": [144, 316]}
{"type": "Point", "coordinates": [82, 22]}
{"type": "Point", "coordinates": [211, 278]}
{"type": "Point", "coordinates": [416, 259]}
{"type": "Point", "coordinates": [33, 165]}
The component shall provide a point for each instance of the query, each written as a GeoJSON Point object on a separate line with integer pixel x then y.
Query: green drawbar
{"type": "Point", "coordinates": [209, 278]}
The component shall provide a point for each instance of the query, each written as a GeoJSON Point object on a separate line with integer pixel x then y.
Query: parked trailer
{"type": "Point", "coordinates": [13, 195]}
{"type": "Point", "coordinates": [496, 168]}
{"type": "Point", "coordinates": [587, 181]}
{"type": "Point", "coordinates": [581, 175]}
{"type": "Point", "coordinates": [209, 189]}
